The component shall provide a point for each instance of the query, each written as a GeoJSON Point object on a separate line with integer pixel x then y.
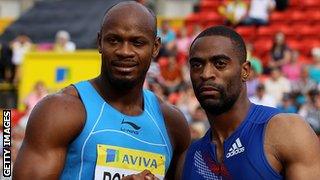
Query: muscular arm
{"type": "Point", "coordinates": [295, 146]}
{"type": "Point", "coordinates": [52, 125]}
{"type": "Point", "coordinates": [178, 130]}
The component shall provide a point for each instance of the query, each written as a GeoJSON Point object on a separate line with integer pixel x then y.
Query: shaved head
{"type": "Point", "coordinates": [130, 9]}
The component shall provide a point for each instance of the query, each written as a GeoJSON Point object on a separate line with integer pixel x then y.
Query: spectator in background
{"type": "Point", "coordinates": [277, 85]}
{"type": "Point", "coordinates": [301, 87]}
{"type": "Point", "coordinates": [255, 62]}
{"type": "Point", "coordinates": [292, 69]}
{"type": "Point", "coordinates": [287, 105]}
{"type": "Point", "coordinates": [281, 4]}
{"type": "Point", "coordinates": [253, 82]}
{"type": "Point", "coordinates": [38, 92]}
{"type": "Point", "coordinates": [234, 11]}
{"type": "Point", "coordinates": [6, 65]}
{"type": "Point", "coordinates": [311, 110]}
{"type": "Point", "coordinates": [20, 46]}
{"type": "Point", "coordinates": [280, 52]}
{"type": "Point", "coordinates": [197, 130]}
{"type": "Point", "coordinates": [183, 42]}
{"type": "Point", "coordinates": [155, 87]}
{"type": "Point", "coordinates": [305, 83]}
{"type": "Point", "coordinates": [262, 98]}
{"type": "Point", "coordinates": [199, 116]}
{"type": "Point", "coordinates": [63, 42]}
{"type": "Point", "coordinates": [168, 37]}
{"type": "Point", "coordinates": [171, 73]}
{"type": "Point", "coordinates": [314, 69]}
{"type": "Point", "coordinates": [187, 102]}
{"type": "Point", "coordinates": [259, 11]}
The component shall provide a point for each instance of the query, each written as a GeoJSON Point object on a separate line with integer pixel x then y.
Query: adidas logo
{"type": "Point", "coordinates": [236, 148]}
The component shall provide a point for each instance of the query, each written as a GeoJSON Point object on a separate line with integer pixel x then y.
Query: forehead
{"type": "Point", "coordinates": [209, 46]}
{"type": "Point", "coordinates": [129, 19]}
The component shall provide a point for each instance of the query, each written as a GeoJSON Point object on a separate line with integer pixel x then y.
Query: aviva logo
{"type": "Point", "coordinates": [112, 155]}
{"type": "Point", "coordinates": [130, 159]}
{"type": "Point", "coordinates": [62, 74]}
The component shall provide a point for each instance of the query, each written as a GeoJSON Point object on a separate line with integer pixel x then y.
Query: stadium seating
{"type": "Point", "coordinates": [81, 18]}
{"type": "Point", "coordinates": [300, 22]}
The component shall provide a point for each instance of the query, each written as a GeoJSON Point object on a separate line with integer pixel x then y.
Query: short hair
{"type": "Point", "coordinates": [149, 10]}
{"type": "Point", "coordinates": [229, 33]}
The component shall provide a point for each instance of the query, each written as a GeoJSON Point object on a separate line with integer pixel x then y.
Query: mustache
{"type": "Point", "coordinates": [210, 84]}
{"type": "Point", "coordinates": [128, 62]}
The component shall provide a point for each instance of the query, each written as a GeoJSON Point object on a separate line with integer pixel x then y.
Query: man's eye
{"type": "Point", "coordinates": [220, 64]}
{"type": "Point", "coordinates": [138, 43]}
{"type": "Point", "coordinates": [113, 40]}
{"type": "Point", "coordinates": [195, 65]}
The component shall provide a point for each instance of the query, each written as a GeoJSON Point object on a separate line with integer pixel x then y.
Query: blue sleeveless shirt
{"type": "Point", "coordinates": [112, 145]}
{"type": "Point", "coordinates": [244, 156]}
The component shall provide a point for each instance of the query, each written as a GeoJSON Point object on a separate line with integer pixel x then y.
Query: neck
{"type": "Point", "coordinates": [225, 124]}
{"type": "Point", "coordinates": [128, 101]}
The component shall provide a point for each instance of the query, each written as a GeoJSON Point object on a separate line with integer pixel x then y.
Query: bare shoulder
{"type": "Point", "coordinates": [294, 142]}
{"type": "Point", "coordinates": [289, 127]}
{"type": "Point", "coordinates": [58, 117]}
{"type": "Point", "coordinates": [177, 126]}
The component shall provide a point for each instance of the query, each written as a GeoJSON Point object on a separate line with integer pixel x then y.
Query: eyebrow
{"type": "Point", "coordinates": [135, 37]}
{"type": "Point", "coordinates": [219, 56]}
{"type": "Point", "coordinates": [195, 59]}
{"type": "Point", "coordinates": [212, 58]}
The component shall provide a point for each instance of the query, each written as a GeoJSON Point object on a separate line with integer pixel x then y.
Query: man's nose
{"type": "Point", "coordinates": [125, 50]}
{"type": "Point", "coordinates": [209, 72]}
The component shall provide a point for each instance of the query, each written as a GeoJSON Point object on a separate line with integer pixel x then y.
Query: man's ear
{"type": "Point", "coordinates": [99, 42]}
{"type": "Point", "coordinates": [156, 47]}
{"type": "Point", "coordinates": [246, 70]}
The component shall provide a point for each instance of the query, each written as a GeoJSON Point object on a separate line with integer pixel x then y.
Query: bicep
{"type": "Point", "coordinates": [304, 161]}
{"type": "Point", "coordinates": [38, 162]}
{"type": "Point", "coordinates": [53, 124]}
{"type": "Point", "coordinates": [298, 147]}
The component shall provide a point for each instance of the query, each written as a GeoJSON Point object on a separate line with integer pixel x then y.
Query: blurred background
{"type": "Point", "coordinates": [46, 45]}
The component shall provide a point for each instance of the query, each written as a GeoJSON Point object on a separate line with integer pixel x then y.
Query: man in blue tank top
{"type": "Point", "coordinates": [108, 127]}
{"type": "Point", "coordinates": [245, 141]}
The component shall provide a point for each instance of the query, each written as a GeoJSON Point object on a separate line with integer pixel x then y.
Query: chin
{"type": "Point", "coordinates": [216, 107]}
{"type": "Point", "coordinates": [124, 83]}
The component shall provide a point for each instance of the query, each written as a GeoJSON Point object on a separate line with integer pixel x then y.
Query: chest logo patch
{"type": "Point", "coordinates": [236, 148]}
{"type": "Point", "coordinates": [114, 161]}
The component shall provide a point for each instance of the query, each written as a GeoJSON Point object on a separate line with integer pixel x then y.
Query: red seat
{"type": "Point", "coordinates": [210, 19]}
{"type": "Point", "coordinates": [297, 45]}
{"type": "Point", "coordinates": [192, 19]}
{"type": "Point", "coordinates": [311, 4]}
{"type": "Point", "coordinates": [310, 44]}
{"type": "Point", "coordinates": [288, 31]}
{"type": "Point", "coordinates": [262, 49]}
{"type": "Point", "coordinates": [279, 17]}
{"type": "Point", "coordinates": [305, 60]}
{"type": "Point", "coordinates": [266, 32]}
{"type": "Point", "coordinates": [209, 6]}
{"type": "Point", "coordinates": [247, 32]}
{"type": "Point", "coordinates": [298, 17]}
{"type": "Point", "coordinates": [313, 16]}
{"type": "Point", "coordinates": [309, 32]}
{"type": "Point", "coordinates": [295, 4]}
